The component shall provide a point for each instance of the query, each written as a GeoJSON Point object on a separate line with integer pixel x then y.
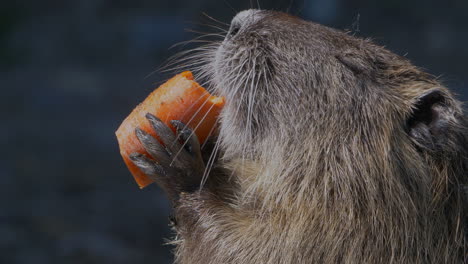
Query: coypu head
{"type": "Point", "coordinates": [281, 74]}
{"type": "Point", "coordinates": [311, 94]}
{"type": "Point", "coordinates": [358, 153]}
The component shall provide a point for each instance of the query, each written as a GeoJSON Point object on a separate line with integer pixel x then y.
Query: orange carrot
{"type": "Point", "coordinates": [180, 98]}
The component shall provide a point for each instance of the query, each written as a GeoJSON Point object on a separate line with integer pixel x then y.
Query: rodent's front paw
{"type": "Point", "coordinates": [177, 164]}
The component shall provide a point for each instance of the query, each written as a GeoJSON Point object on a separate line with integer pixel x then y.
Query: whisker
{"type": "Point", "coordinates": [195, 114]}
{"type": "Point", "coordinates": [195, 40]}
{"type": "Point", "coordinates": [215, 20]}
{"type": "Point", "coordinates": [241, 96]}
{"type": "Point", "coordinates": [181, 56]}
{"type": "Point", "coordinates": [183, 67]}
{"type": "Point", "coordinates": [185, 62]}
{"type": "Point", "coordinates": [219, 26]}
{"type": "Point", "coordinates": [249, 107]}
{"type": "Point", "coordinates": [232, 8]}
{"type": "Point", "coordinates": [204, 34]}
{"type": "Point", "coordinates": [191, 134]}
{"type": "Point", "coordinates": [200, 50]}
{"type": "Point", "coordinates": [209, 165]}
{"type": "Point", "coordinates": [209, 134]}
{"type": "Point", "coordinates": [215, 27]}
{"type": "Point", "coordinates": [198, 110]}
{"type": "Point", "coordinates": [195, 51]}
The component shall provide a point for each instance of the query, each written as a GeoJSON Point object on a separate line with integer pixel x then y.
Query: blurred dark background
{"type": "Point", "coordinates": [70, 71]}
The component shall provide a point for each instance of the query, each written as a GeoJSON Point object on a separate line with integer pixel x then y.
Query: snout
{"type": "Point", "coordinates": [242, 21]}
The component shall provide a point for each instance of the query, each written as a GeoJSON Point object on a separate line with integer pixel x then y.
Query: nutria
{"type": "Point", "coordinates": [331, 149]}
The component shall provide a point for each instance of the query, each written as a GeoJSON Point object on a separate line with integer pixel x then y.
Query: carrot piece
{"type": "Point", "coordinates": [180, 98]}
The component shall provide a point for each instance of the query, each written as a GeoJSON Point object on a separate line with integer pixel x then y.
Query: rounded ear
{"type": "Point", "coordinates": [354, 61]}
{"type": "Point", "coordinates": [433, 121]}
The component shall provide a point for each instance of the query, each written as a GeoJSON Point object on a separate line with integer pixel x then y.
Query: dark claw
{"type": "Point", "coordinates": [187, 136]}
{"type": "Point", "coordinates": [180, 127]}
{"type": "Point", "coordinates": [164, 133]}
{"type": "Point", "coordinates": [154, 148]}
{"type": "Point", "coordinates": [183, 131]}
{"type": "Point", "coordinates": [148, 166]}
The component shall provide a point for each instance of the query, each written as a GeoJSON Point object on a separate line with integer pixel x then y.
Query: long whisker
{"type": "Point", "coordinates": [220, 26]}
{"type": "Point", "coordinates": [198, 50]}
{"type": "Point", "coordinates": [215, 20]}
{"type": "Point", "coordinates": [195, 40]}
{"type": "Point", "coordinates": [232, 8]}
{"type": "Point", "coordinates": [184, 62]}
{"type": "Point", "coordinates": [183, 67]}
{"type": "Point", "coordinates": [244, 148]}
{"type": "Point", "coordinates": [198, 110]}
{"type": "Point", "coordinates": [209, 165]}
{"type": "Point", "coordinates": [191, 134]}
{"type": "Point", "coordinates": [204, 34]}
{"type": "Point", "coordinates": [244, 88]}
{"type": "Point", "coordinates": [209, 134]}
{"type": "Point", "coordinates": [215, 27]}
{"type": "Point", "coordinates": [198, 53]}
{"type": "Point", "coordinates": [194, 115]}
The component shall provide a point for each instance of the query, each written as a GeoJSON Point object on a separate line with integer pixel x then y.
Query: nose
{"type": "Point", "coordinates": [242, 20]}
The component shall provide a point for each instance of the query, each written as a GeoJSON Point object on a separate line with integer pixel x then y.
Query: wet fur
{"type": "Point", "coordinates": [316, 160]}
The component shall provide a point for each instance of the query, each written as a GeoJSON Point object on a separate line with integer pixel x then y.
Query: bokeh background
{"type": "Point", "coordinates": [70, 71]}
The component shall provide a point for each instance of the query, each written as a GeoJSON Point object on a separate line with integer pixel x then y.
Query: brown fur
{"type": "Point", "coordinates": [317, 164]}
